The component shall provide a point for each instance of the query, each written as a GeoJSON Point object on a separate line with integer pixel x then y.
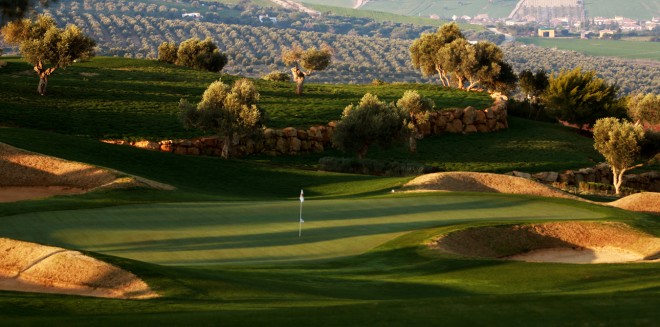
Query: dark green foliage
{"type": "Point", "coordinates": [374, 167]}
{"type": "Point", "coordinates": [167, 52]}
{"type": "Point", "coordinates": [16, 9]}
{"type": "Point", "coordinates": [199, 54]}
{"type": "Point", "coordinates": [581, 98]}
{"type": "Point", "coordinates": [533, 84]}
{"type": "Point", "coordinates": [371, 122]}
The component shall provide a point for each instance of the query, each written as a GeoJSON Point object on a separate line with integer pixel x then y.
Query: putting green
{"type": "Point", "coordinates": [240, 232]}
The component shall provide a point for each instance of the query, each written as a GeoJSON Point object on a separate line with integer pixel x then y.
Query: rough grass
{"type": "Point", "coordinates": [135, 99]}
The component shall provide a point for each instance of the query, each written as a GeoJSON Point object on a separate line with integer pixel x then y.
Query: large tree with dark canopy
{"type": "Point", "coordinates": [42, 43]}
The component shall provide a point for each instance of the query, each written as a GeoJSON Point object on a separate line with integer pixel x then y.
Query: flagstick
{"type": "Point", "coordinates": [300, 221]}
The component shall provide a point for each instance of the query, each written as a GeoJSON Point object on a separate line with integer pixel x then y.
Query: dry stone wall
{"type": "Point", "coordinates": [601, 173]}
{"type": "Point", "coordinates": [292, 141]}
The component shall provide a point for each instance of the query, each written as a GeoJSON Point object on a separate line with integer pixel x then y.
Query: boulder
{"type": "Point", "coordinates": [458, 113]}
{"type": "Point", "coordinates": [290, 132]}
{"type": "Point", "coordinates": [270, 133]}
{"type": "Point", "coordinates": [295, 145]}
{"type": "Point", "coordinates": [482, 128]}
{"type": "Point", "coordinates": [470, 129]}
{"type": "Point", "coordinates": [480, 118]}
{"type": "Point", "coordinates": [149, 145]}
{"type": "Point", "coordinates": [456, 126]}
{"type": "Point", "coordinates": [282, 145]}
{"type": "Point", "coordinates": [469, 114]}
{"type": "Point", "coordinates": [522, 174]}
{"type": "Point", "coordinates": [302, 134]}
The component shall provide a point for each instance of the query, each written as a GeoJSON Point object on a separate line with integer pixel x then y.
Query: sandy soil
{"type": "Point", "coordinates": [30, 267]}
{"type": "Point", "coordinates": [27, 175]}
{"type": "Point", "coordinates": [574, 242]}
{"type": "Point", "coordinates": [642, 202]}
{"type": "Point", "coordinates": [483, 182]}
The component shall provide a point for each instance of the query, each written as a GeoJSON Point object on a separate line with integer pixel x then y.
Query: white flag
{"type": "Point", "coordinates": [302, 197]}
{"type": "Point", "coordinates": [301, 220]}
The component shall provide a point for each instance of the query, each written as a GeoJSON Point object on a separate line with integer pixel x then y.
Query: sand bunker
{"type": "Point", "coordinates": [28, 175]}
{"type": "Point", "coordinates": [483, 182]}
{"type": "Point", "coordinates": [31, 267]}
{"type": "Point", "coordinates": [569, 242]}
{"type": "Point", "coordinates": [642, 202]}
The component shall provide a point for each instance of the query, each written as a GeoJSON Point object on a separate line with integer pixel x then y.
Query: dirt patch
{"type": "Point", "coordinates": [642, 202]}
{"type": "Point", "coordinates": [571, 242]}
{"type": "Point", "coordinates": [483, 182]}
{"type": "Point", "coordinates": [31, 267]}
{"type": "Point", "coordinates": [28, 175]}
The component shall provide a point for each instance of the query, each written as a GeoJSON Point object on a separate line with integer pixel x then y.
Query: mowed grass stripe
{"type": "Point", "coordinates": [267, 232]}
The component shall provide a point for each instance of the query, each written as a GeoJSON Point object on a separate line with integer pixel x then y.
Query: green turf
{"type": "Point", "coordinates": [607, 48]}
{"type": "Point", "coordinates": [137, 99]}
{"type": "Point", "coordinates": [230, 232]}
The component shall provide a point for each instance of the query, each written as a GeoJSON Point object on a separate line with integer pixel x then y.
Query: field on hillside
{"type": "Point", "coordinates": [636, 9]}
{"type": "Point", "coordinates": [92, 100]}
{"type": "Point", "coordinates": [444, 9]}
{"type": "Point", "coordinates": [124, 98]}
{"type": "Point", "coordinates": [605, 48]}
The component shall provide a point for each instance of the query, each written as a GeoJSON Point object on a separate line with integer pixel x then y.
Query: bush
{"type": "Point", "coordinates": [374, 167]}
{"type": "Point", "coordinates": [277, 76]}
{"type": "Point", "coordinates": [167, 52]}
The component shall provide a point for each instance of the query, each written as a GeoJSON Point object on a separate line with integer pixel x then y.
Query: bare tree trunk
{"type": "Point", "coordinates": [473, 84]}
{"type": "Point", "coordinates": [412, 143]}
{"type": "Point", "coordinates": [226, 147]}
{"type": "Point", "coordinates": [617, 179]}
{"type": "Point", "coordinates": [43, 77]}
{"type": "Point", "coordinates": [363, 151]}
{"type": "Point", "coordinates": [299, 78]}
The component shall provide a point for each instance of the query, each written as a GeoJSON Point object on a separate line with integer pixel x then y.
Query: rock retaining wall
{"type": "Point", "coordinates": [601, 173]}
{"type": "Point", "coordinates": [292, 141]}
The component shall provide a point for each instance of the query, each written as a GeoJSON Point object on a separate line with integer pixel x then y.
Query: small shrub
{"type": "Point", "coordinates": [375, 167]}
{"type": "Point", "coordinates": [277, 76]}
{"type": "Point", "coordinates": [378, 82]}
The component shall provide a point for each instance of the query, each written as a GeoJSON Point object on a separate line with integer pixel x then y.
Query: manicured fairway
{"type": "Point", "coordinates": [251, 231]}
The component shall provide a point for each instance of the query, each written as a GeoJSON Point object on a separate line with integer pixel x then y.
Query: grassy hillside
{"type": "Point", "coordinates": [637, 9]}
{"type": "Point", "coordinates": [446, 9]}
{"type": "Point", "coordinates": [605, 48]}
{"type": "Point", "coordinates": [125, 98]}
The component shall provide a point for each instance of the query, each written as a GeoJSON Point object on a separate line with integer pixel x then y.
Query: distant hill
{"type": "Point", "coordinates": [637, 9]}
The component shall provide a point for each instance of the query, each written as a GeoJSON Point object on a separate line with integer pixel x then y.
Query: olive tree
{"type": "Point", "coordinates": [200, 54]}
{"type": "Point", "coordinates": [581, 98]}
{"type": "Point", "coordinates": [42, 43]}
{"type": "Point", "coordinates": [229, 112]}
{"type": "Point", "coordinates": [426, 56]}
{"type": "Point", "coordinates": [312, 60]}
{"type": "Point", "coordinates": [644, 108]}
{"type": "Point", "coordinates": [371, 122]}
{"type": "Point", "coordinates": [418, 107]}
{"type": "Point", "coordinates": [618, 141]}
{"type": "Point", "coordinates": [167, 52]}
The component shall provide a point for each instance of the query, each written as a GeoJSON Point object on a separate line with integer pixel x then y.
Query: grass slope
{"type": "Point", "coordinates": [606, 48]}
{"type": "Point", "coordinates": [127, 98]}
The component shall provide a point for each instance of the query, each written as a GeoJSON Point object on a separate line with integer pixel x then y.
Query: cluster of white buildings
{"type": "Point", "coordinates": [627, 24]}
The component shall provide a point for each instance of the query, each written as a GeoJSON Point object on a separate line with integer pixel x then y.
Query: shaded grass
{"type": "Point", "coordinates": [250, 231]}
{"type": "Point", "coordinates": [398, 283]}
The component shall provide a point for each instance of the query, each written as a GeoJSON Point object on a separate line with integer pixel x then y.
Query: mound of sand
{"type": "Point", "coordinates": [483, 182]}
{"type": "Point", "coordinates": [32, 267]}
{"type": "Point", "coordinates": [642, 202]}
{"type": "Point", "coordinates": [28, 175]}
{"type": "Point", "coordinates": [570, 242]}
